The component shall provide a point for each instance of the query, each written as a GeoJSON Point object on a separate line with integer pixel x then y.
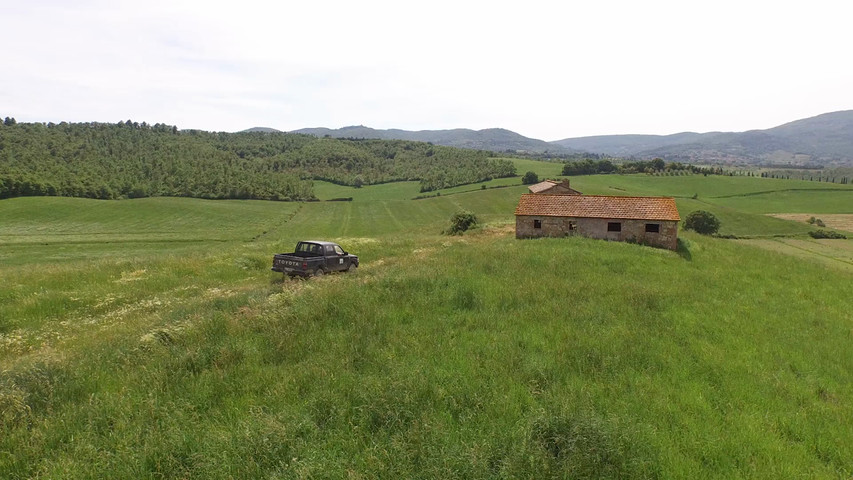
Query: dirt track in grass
{"type": "Point", "coordinates": [832, 253]}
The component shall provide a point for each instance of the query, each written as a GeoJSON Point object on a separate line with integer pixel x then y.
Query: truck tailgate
{"type": "Point", "coordinates": [287, 263]}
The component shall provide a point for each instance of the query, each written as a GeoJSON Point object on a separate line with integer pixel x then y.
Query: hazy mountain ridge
{"type": "Point", "coordinates": [493, 139]}
{"type": "Point", "coordinates": [825, 139]}
{"type": "Point", "coordinates": [630, 144]}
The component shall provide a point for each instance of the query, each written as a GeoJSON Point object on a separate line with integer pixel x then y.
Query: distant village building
{"type": "Point", "coordinates": [553, 187]}
{"type": "Point", "coordinates": [646, 220]}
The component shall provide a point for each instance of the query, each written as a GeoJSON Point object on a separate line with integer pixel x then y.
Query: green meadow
{"type": "Point", "coordinates": [147, 338]}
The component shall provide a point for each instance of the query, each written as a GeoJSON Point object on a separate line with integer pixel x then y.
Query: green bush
{"type": "Point", "coordinates": [702, 222]}
{"type": "Point", "coordinates": [530, 178]}
{"type": "Point", "coordinates": [461, 222]}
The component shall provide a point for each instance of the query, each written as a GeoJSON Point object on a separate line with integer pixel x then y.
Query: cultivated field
{"type": "Point", "coordinates": [147, 338]}
{"type": "Point", "coordinates": [838, 221]}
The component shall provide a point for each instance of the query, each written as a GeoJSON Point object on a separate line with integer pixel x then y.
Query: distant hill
{"type": "Point", "coordinates": [492, 139]}
{"type": "Point", "coordinates": [131, 160]}
{"type": "Point", "coordinates": [822, 140]}
{"type": "Point", "coordinates": [260, 129]}
{"type": "Point", "coordinates": [627, 145]}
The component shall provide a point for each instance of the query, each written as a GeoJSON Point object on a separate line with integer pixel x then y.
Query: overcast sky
{"type": "Point", "coordinates": [548, 70]}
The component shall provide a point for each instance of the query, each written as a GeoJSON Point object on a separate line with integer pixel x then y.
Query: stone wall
{"type": "Point", "coordinates": [632, 230]}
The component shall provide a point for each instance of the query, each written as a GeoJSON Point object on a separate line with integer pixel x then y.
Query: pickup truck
{"type": "Point", "coordinates": [314, 258]}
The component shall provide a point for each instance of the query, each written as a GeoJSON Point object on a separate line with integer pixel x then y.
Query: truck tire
{"type": "Point", "coordinates": [351, 267]}
{"type": "Point", "coordinates": [319, 272]}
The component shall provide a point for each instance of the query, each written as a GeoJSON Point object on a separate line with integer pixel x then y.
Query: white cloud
{"type": "Point", "coordinates": [545, 69]}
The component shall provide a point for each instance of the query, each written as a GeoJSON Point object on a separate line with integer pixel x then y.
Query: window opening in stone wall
{"type": "Point", "coordinates": [652, 228]}
{"type": "Point", "coordinates": [614, 226]}
{"type": "Point", "coordinates": [537, 223]}
{"type": "Point", "coordinates": [573, 226]}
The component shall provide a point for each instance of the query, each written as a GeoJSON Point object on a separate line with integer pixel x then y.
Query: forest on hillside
{"type": "Point", "coordinates": [131, 159]}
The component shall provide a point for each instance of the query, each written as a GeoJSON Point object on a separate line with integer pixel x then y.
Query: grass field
{"type": "Point", "coordinates": [147, 338]}
{"type": "Point", "coordinates": [705, 187]}
{"type": "Point", "coordinates": [53, 219]}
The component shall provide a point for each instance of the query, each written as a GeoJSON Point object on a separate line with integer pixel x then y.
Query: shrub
{"type": "Point", "coordinates": [530, 178]}
{"type": "Point", "coordinates": [461, 222]}
{"type": "Point", "coordinates": [826, 234]}
{"type": "Point", "coordinates": [702, 222]}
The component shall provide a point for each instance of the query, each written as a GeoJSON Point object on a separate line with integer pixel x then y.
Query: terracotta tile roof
{"type": "Point", "coordinates": [598, 206]}
{"type": "Point", "coordinates": [560, 187]}
{"type": "Point", "coordinates": [542, 186]}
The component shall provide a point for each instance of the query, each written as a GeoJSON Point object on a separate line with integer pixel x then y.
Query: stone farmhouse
{"type": "Point", "coordinates": [647, 220]}
{"type": "Point", "coordinates": [553, 187]}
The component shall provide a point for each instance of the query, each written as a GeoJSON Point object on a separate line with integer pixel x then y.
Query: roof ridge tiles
{"type": "Point", "coordinates": [600, 196]}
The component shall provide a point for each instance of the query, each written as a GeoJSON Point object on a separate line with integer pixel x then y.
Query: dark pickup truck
{"type": "Point", "coordinates": [314, 258]}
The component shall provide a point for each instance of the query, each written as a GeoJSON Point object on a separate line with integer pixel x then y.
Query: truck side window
{"type": "Point", "coordinates": [329, 249]}
{"type": "Point", "coordinates": [339, 250]}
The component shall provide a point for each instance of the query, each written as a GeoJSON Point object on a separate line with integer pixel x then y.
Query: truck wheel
{"type": "Point", "coordinates": [319, 272]}
{"type": "Point", "coordinates": [351, 267]}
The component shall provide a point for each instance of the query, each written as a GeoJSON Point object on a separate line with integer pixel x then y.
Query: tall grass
{"type": "Point", "coordinates": [472, 357]}
{"type": "Point", "coordinates": [478, 356]}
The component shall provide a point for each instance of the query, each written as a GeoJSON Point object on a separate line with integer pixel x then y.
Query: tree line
{"type": "Point", "coordinates": [589, 166]}
{"type": "Point", "coordinates": [131, 159]}
{"type": "Point", "coordinates": [840, 175]}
